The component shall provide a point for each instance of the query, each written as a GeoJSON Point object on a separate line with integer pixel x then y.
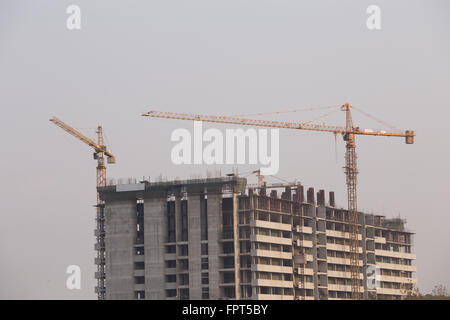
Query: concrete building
{"type": "Point", "coordinates": [219, 239]}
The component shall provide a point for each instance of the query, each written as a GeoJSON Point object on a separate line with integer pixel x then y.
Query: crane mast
{"type": "Point", "coordinates": [100, 151]}
{"type": "Point", "coordinates": [348, 132]}
{"type": "Point", "coordinates": [100, 220]}
{"type": "Point", "coordinates": [351, 172]}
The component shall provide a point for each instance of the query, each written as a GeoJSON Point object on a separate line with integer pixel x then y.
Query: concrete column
{"type": "Point", "coordinates": [120, 227]}
{"type": "Point", "coordinates": [312, 212]}
{"type": "Point", "coordinates": [237, 248]}
{"type": "Point", "coordinates": [194, 236]}
{"type": "Point", "coordinates": [155, 230]}
{"type": "Point", "coordinates": [364, 269]}
{"type": "Point", "coordinates": [178, 217]}
{"type": "Point", "coordinates": [253, 204]}
{"type": "Point", "coordinates": [214, 212]}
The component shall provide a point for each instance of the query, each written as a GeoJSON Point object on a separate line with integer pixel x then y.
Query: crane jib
{"type": "Point", "coordinates": [408, 134]}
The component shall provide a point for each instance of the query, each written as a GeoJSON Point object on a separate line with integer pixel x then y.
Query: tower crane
{"type": "Point", "coordinates": [100, 151]}
{"type": "Point", "coordinates": [260, 177]}
{"type": "Point", "coordinates": [348, 133]}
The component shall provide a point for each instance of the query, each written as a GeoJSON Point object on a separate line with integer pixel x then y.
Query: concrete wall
{"type": "Point", "coordinates": [155, 230]}
{"type": "Point", "coordinates": [178, 217]}
{"type": "Point", "coordinates": [237, 275]}
{"type": "Point", "coordinates": [194, 236]}
{"type": "Point", "coordinates": [120, 226]}
{"type": "Point", "coordinates": [214, 228]}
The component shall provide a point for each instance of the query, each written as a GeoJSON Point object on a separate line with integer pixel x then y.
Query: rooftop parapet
{"type": "Point", "coordinates": [146, 189]}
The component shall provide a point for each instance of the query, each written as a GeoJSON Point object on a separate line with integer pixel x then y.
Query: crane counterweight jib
{"type": "Point", "coordinates": [111, 159]}
{"type": "Point", "coordinates": [409, 138]}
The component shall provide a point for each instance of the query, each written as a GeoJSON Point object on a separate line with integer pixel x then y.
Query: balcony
{"type": "Point", "coordinates": [340, 274]}
{"type": "Point", "coordinates": [139, 273]}
{"type": "Point", "coordinates": [170, 271]}
{"type": "Point", "coordinates": [271, 225]}
{"type": "Point", "coordinates": [390, 291]}
{"type": "Point", "coordinates": [139, 287]}
{"type": "Point", "coordinates": [171, 285]}
{"type": "Point", "coordinates": [271, 254]}
{"type": "Point", "coordinates": [269, 239]}
{"type": "Point", "coordinates": [393, 266]}
{"type": "Point", "coordinates": [304, 229]}
{"type": "Point", "coordinates": [274, 297]}
{"type": "Point", "coordinates": [341, 261]}
{"type": "Point", "coordinates": [306, 284]}
{"type": "Point", "coordinates": [380, 240]}
{"type": "Point", "coordinates": [306, 271]}
{"type": "Point", "coordinates": [342, 287]}
{"type": "Point", "coordinates": [340, 234]}
{"type": "Point", "coordinates": [272, 283]}
{"type": "Point", "coordinates": [170, 256]}
{"type": "Point", "coordinates": [397, 279]}
{"type": "Point", "coordinates": [306, 243]}
{"type": "Point", "coordinates": [341, 247]}
{"type": "Point", "coordinates": [395, 254]}
{"type": "Point", "coordinates": [271, 268]}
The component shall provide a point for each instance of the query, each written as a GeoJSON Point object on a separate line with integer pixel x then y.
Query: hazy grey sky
{"type": "Point", "coordinates": [217, 57]}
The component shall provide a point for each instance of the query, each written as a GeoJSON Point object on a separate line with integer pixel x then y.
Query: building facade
{"type": "Point", "coordinates": [220, 239]}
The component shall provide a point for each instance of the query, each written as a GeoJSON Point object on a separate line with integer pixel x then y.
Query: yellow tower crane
{"type": "Point", "coordinates": [348, 132]}
{"type": "Point", "coordinates": [100, 151]}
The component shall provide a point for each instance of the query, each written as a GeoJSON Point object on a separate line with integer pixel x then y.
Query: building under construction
{"type": "Point", "coordinates": [219, 238]}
